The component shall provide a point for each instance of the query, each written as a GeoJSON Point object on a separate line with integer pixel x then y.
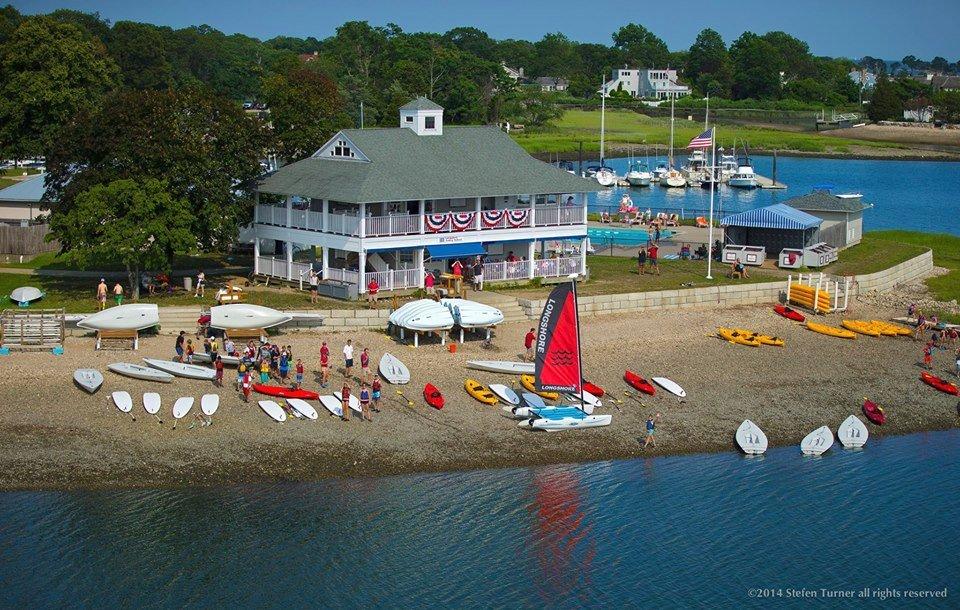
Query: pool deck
{"type": "Point", "coordinates": [671, 245]}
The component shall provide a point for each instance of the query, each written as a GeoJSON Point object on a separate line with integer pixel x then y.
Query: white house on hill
{"type": "Point", "coordinates": [645, 82]}
{"type": "Point", "coordinates": [391, 204]}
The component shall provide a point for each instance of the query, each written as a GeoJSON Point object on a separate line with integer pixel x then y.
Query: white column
{"type": "Point", "coordinates": [583, 255]}
{"type": "Point", "coordinates": [533, 213]}
{"type": "Point", "coordinates": [362, 266]}
{"type": "Point", "coordinates": [363, 220]}
{"type": "Point", "coordinates": [423, 211]}
{"type": "Point", "coordinates": [325, 269]}
{"type": "Point", "coordinates": [418, 263]}
{"type": "Point", "coordinates": [583, 203]}
{"type": "Point", "coordinates": [476, 207]}
{"type": "Point", "coordinates": [289, 249]}
{"type": "Point", "coordinates": [256, 254]}
{"type": "Point", "coordinates": [325, 217]}
{"type": "Point", "coordinates": [531, 252]}
{"type": "Point", "coordinates": [256, 206]}
{"type": "Point", "coordinates": [289, 210]}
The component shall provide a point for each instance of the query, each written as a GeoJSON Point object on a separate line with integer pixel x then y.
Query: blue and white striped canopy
{"type": "Point", "coordinates": [777, 216]}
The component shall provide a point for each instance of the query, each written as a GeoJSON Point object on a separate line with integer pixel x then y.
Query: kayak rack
{"type": "Point", "coordinates": [837, 288]}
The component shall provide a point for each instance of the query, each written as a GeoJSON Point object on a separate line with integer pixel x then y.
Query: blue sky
{"type": "Point", "coordinates": [882, 28]}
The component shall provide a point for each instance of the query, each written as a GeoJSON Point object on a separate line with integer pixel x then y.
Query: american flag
{"type": "Point", "coordinates": [704, 140]}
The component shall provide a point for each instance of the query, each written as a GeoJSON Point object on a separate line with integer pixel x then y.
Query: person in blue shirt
{"type": "Point", "coordinates": [651, 431]}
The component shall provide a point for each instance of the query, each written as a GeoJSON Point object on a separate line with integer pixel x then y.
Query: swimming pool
{"type": "Point", "coordinates": [621, 237]}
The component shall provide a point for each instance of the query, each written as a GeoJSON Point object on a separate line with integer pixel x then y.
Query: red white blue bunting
{"type": "Point", "coordinates": [517, 218]}
{"type": "Point", "coordinates": [491, 218]}
{"type": "Point", "coordinates": [462, 220]}
{"type": "Point", "coordinates": [435, 222]}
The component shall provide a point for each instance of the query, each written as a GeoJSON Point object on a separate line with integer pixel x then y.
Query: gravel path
{"type": "Point", "coordinates": [52, 435]}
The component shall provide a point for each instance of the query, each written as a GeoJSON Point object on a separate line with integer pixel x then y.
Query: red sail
{"type": "Point", "coordinates": [558, 343]}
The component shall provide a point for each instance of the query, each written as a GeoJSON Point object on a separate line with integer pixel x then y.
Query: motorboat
{"type": "Point", "coordinates": [639, 175]}
{"type": "Point", "coordinates": [745, 178]}
{"type": "Point", "coordinates": [605, 176]}
{"type": "Point", "coordinates": [673, 179]}
{"type": "Point", "coordinates": [660, 171]}
{"type": "Point", "coordinates": [696, 164]}
{"type": "Point", "coordinates": [728, 166]}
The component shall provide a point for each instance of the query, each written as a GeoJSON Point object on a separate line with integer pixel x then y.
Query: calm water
{"type": "Point", "coordinates": [920, 195]}
{"type": "Point", "coordinates": [679, 530]}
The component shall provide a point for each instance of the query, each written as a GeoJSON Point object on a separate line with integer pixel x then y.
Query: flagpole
{"type": "Point", "coordinates": [576, 313]}
{"type": "Point", "coordinates": [713, 185]}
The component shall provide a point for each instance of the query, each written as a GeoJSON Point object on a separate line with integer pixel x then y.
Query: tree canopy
{"type": "Point", "coordinates": [304, 111]}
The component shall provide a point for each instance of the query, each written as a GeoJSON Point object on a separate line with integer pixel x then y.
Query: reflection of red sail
{"type": "Point", "coordinates": [561, 528]}
{"type": "Point", "coordinates": [558, 342]}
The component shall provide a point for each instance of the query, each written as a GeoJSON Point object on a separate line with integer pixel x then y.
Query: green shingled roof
{"type": "Point", "coordinates": [463, 162]}
{"type": "Point", "coordinates": [823, 201]}
{"type": "Point", "coordinates": [421, 103]}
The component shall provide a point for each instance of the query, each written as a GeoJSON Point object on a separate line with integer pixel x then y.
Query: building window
{"type": "Point", "coordinates": [341, 150]}
{"type": "Point", "coordinates": [429, 122]}
{"type": "Point", "coordinates": [408, 119]}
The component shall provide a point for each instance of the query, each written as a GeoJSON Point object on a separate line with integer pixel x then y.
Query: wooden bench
{"type": "Point", "coordinates": [118, 339]}
{"type": "Point", "coordinates": [245, 333]}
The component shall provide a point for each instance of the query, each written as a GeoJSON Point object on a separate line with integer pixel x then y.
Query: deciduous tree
{"type": "Point", "coordinates": [305, 110]}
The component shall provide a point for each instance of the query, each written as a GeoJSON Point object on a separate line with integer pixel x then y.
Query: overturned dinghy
{"type": "Point", "coordinates": [423, 315]}
{"type": "Point", "coordinates": [817, 442]}
{"type": "Point", "coordinates": [243, 315]}
{"type": "Point", "coordinates": [25, 295]}
{"type": "Point", "coordinates": [470, 314]}
{"type": "Point", "coordinates": [136, 316]}
{"type": "Point", "coordinates": [751, 438]}
{"type": "Point", "coordinates": [853, 433]}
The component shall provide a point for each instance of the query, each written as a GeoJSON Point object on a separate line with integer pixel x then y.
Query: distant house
{"type": "Point", "coordinates": [514, 74]}
{"type": "Point", "coordinates": [867, 80]}
{"type": "Point", "coordinates": [308, 57]}
{"type": "Point", "coordinates": [20, 202]}
{"type": "Point", "coordinates": [945, 83]}
{"type": "Point", "coordinates": [645, 82]}
{"type": "Point", "coordinates": [552, 83]}
{"type": "Point", "coordinates": [920, 115]}
{"type": "Point", "coordinates": [842, 215]}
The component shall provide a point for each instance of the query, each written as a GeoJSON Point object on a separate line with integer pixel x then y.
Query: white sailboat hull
{"type": "Point", "coordinates": [567, 423]}
{"type": "Point", "coordinates": [751, 438]}
{"type": "Point", "coordinates": [502, 366]}
{"type": "Point", "coordinates": [189, 371]}
{"type": "Point", "coordinates": [853, 433]}
{"type": "Point", "coordinates": [136, 316]}
{"type": "Point", "coordinates": [817, 442]}
{"type": "Point", "coordinates": [242, 315]}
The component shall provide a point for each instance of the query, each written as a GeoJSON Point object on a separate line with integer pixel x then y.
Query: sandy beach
{"type": "Point", "coordinates": [53, 435]}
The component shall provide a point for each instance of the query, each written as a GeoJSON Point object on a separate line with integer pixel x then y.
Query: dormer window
{"type": "Point", "coordinates": [429, 122]}
{"type": "Point", "coordinates": [408, 119]}
{"type": "Point", "coordinates": [342, 150]}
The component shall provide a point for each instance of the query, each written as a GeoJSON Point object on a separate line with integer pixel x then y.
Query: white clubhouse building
{"type": "Point", "coordinates": [394, 203]}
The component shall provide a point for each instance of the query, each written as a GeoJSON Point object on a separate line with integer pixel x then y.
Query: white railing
{"type": "Point", "coordinates": [558, 267]}
{"type": "Point", "coordinates": [342, 224]}
{"type": "Point", "coordinates": [307, 219]}
{"type": "Point", "coordinates": [300, 271]}
{"type": "Point", "coordinates": [272, 266]}
{"type": "Point", "coordinates": [398, 224]}
{"type": "Point", "coordinates": [272, 215]}
{"type": "Point", "coordinates": [559, 215]}
{"type": "Point", "coordinates": [504, 271]}
{"type": "Point", "coordinates": [396, 279]}
{"type": "Point", "coordinates": [347, 276]}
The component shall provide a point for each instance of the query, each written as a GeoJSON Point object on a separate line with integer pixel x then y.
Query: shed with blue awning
{"type": "Point", "coordinates": [774, 227]}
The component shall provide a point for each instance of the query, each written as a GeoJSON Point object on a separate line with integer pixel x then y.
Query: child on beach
{"type": "Point", "coordinates": [348, 358]}
{"type": "Point", "coordinates": [651, 431]}
{"type": "Point", "coordinates": [528, 341]}
{"type": "Point", "coordinates": [245, 385]}
{"type": "Point", "coordinates": [189, 351]}
{"type": "Point", "coordinates": [264, 371]}
{"type": "Point", "coordinates": [324, 365]}
{"type": "Point", "coordinates": [365, 403]}
{"type": "Point", "coordinates": [345, 401]}
{"type": "Point", "coordinates": [375, 394]}
{"type": "Point", "coordinates": [283, 367]}
{"type": "Point", "coordinates": [365, 364]}
{"type": "Point", "coordinates": [179, 346]}
{"type": "Point", "coordinates": [299, 373]}
{"type": "Point", "coordinates": [928, 356]}
{"type": "Point", "coordinates": [206, 345]}
{"type": "Point", "coordinates": [214, 348]}
{"type": "Point", "coordinates": [241, 372]}
{"type": "Point", "coordinates": [218, 366]}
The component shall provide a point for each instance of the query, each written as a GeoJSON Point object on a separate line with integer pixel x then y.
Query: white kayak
{"type": "Point", "coordinates": [274, 410]}
{"type": "Point", "coordinates": [502, 366]}
{"type": "Point", "coordinates": [302, 407]}
{"type": "Point", "coordinates": [140, 372]}
{"type": "Point", "coordinates": [332, 404]}
{"type": "Point", "coordinates": [550, 412]}
{"type": "Point", "coordinates": [25, 295]}
{"type": "Point", "coordinates": [227, 360]}
{"type": "Point", "coordinates": [243, 315]}
{"type": "Point", "coordinates": [670, 386]}
{"type": "Point", "coordinates": [191, 371]}
{"type": "Point", "coordinates": [136, 316]}
{"type": "Point", "coordinates": [354, 401]}
{"type": "Point", "coordinates": [182, 406]}
{"type": "Point", "coordinates": [88, 379]}
{"type": "Point", "coordinates": [751, 438]}
{"type": "Point", "coordinates": [393, 370]}
{"type": "Point", "coordinates": [209, 403]}
{"type": "Point", "coordinates": [412, 309]}
{"type": "Point", "coordinates": [817, 441]}
{"type": "Point", "coordinates": [505, 394]}
{"type": "Point", "coordinates": [470, 314]}
{"type": "Point", "coordinates": [123, 401]}
{"type": "Point", "coordinates": [852, 433]}
{"type": "Point", "coordinates": [566, 423]}
{"type": "Point", "coordinates": [151, 402]}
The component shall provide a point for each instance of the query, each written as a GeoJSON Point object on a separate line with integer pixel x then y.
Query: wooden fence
{"type": "Point", "coordinates": [28, 240]}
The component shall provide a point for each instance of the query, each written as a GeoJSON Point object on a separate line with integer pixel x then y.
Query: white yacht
{"type": "Point", "coordinates": [639, 175]}
{"type": "Point", "coordinates": [728, 166]}
{"type": "Point", "coordinates": [745, 178]}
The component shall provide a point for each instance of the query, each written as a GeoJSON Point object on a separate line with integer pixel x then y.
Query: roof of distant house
{"type": "Point", "coordinates": [467, 161]}
{"type": "Point", "coordinates": [550, 80]}
{"type": "Point", "coordinates": [29, 190]}
{"type": "Point", "coordinates": [946, 82]}
{"type": "Point", "coordinates": [824, 201]}
{"type": "Point", "coordinates": [421, 103]}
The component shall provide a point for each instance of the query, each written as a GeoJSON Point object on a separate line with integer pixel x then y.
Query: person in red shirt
{"type": "Point", "coordinates": [528, 342]}
{"type": "Point", "coordinates": [247, 382]}
{"type": "Point", "coordinates": [324, 365]}
{"type": "Point", "coordinates": [376, 394]}
{"type": "Point", "coordinates": [345, 401]}
{"type": "Point", "coordinates": [652, 253]}
{"type": "Point", "coordinates": [365, 365]}
{"type": "Point", "coordinates": [457, 267]}
{"type": "Point", "coordinates": [218, 367]}
{"type": "Point", "coordinates": [428, 282]}
{"type": "Point", "coordinates": [372, 289]}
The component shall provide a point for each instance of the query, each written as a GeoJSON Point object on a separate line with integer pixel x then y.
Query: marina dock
{"type": "Point", "coordinates": [767, 183]}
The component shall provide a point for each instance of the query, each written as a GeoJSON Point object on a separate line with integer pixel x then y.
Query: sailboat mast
{"type": "Point", "coordinates": [576, 313]}
{"type": "Point", "coordinates": [603, 113]}
{"type": "Point", "coordinates": [670, 155]}
{"type": "Point", "coordinates": [706, 117]}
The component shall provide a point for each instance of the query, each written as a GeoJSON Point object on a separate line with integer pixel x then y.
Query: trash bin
{"type": "Point", "coordinates": [187, 283]}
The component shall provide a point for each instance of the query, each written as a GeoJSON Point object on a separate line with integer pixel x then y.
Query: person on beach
{"type": "Point", "coordinates": [428, 282]}
{"type": "Point", "coordinates": [241, 372]}
{"type": "Point", "coordinates": [201, 283]}
{"type": "Point", "coordinates": [218, 367]}
{"type": "Point", "coordinates": [348, 358]}
{"type": "Point", "coordinates": [911, 309]}
{"type": "Point", "coordinates": [345, 401]}
{"type": "Point", "coordinates": [365, 403]}
{"type": "Point", "coordinates": [656, 235]}
{"type": "Point", "coordinates": [214, 348]}
{"type": "Point", "coordinates": [118, 293]}
{"type": "Point", "coordinates": [641, 260]}
{"type": "Point", "coordinates": [921, 325]}
{"type": "Point", "coordinates": [324, 364]}
{"type": "Point", "coordinates": [928, 356]}
{"type": "Point", "coordinates": [372, 289]}
{"type": "Point", "coordinates": [457, 268]}
{"type": "Point", "coordinates": [314, 282]}
{"type": "Point", "coordinates": [651, 431]}
{"type": "Point", "coordinates": [478, 274]}
{"type": "Point", "coordinates": [189, 351]}
{"type": "Point", "coordinates": [229, 347]}
{"type": "Point", "coordinates": [246, 385]}
{"type": "Point", "coordinates": [206, 345]}
{"type": "Point", "coordinates": [180, 345]}
{"type": "Point", "coordinates": [376, 388]}
{"type": "Point", "coordinates": [956, 356]}
{"type": "Point", "coordinates": [652, 253]}
{"type": "Point", "coordinates": [528, 342]}
{"type": "Point", "coordinates": [738, 269]}
{"type": "Point", "coordinates": [102, 294]}
{"type": "Point", "coordinates": [283, 367]}
{"type": "Point", "coordinates": [299, 371]}
{"type": "Point", "coordinates": [264, 371]}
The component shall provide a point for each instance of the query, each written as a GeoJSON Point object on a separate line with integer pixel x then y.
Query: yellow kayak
{"type": "Point", "coordinates": [735, 336]}
{"type": "Point", "coordinates": [891, 329]}
{"type": "Point", "coordinates": [477, 390]}
{"type": "Point", "coordinates": [763, 339]}
{"type": "Point", "coordinates": [832, 331]}
{"type": "Point", "coordinates": [862, 327]}
{"type": "Point", "coordinates": [529, 382]}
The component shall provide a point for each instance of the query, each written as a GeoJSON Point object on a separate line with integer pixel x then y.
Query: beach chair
{"type": "Point", "coordinates": [673, 220]}
{"type": "Point", "coordinates": [636, 219]}
{"type": "Point", "coordinates": [701, 222]}
{"type": "Point", "coordinates": [662, 217]}
{"type": "Point", "coordinates": [605, 218]}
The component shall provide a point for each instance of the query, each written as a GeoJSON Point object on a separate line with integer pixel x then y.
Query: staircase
{"type": "Point", "coordinates": [512, 312]}
{"type": "Point", "coordinates": [175, 319]}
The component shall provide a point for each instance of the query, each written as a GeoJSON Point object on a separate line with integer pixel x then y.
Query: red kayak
{"type": "Point", "coordinates": [593, 389]}
{"type": "Point", "coordinates": [433, 396]}
{"type": "Point", "coordinates": [941, 384]}
{"type": "Point", "coordinates": [639, 383]}
{"type": "Point", "coordinates": [789, 313]}
{"type": "Point", "coordinates": [285, 392]}
{"type": "Point", "coordinates": [874, 412]}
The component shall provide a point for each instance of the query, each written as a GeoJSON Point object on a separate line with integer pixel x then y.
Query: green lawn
{"type": "Point", "coordinates": [630, 128]}
{"type": "Point", "coordinates": [5, 182]}
{"type": "Point", "coordinates": [874, 253]}
{"type": "Point", "coordinates": [19, 171]}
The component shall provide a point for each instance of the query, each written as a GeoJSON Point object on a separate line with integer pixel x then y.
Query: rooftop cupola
{"type": "Point", "coordinates": [423, 117]}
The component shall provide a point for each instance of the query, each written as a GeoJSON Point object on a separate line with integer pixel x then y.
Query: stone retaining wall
{"type": "Point", "coordinates": [905, 272]}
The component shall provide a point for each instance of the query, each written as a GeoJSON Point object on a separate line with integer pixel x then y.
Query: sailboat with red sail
{"type": "Point", "coordinates": [559, 367]}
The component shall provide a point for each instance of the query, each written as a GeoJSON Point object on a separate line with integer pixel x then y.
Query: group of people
{"type": "Point", "coordinates": [370, 386]}
{"type": "Point", "coordinates": [102, 294]}
{"type": "Point", "coordinates": [941, 339]}
{"type": "Point", "coordinates": [647, 257]}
